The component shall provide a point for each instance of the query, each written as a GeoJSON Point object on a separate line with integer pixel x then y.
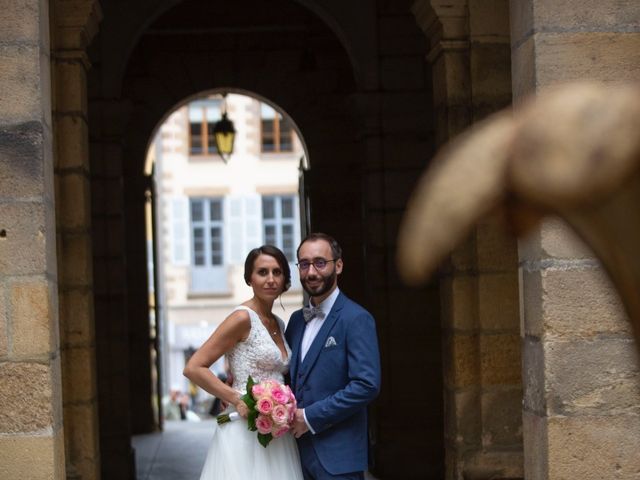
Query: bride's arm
{"type": "Point", "coordinates": [235, 328]}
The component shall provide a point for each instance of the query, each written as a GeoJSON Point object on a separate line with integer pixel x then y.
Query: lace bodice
{"type": "Point", "coordinates": [258, 355]}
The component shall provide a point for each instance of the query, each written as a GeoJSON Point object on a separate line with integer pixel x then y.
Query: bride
{"type": "Point", "coordinates": [252, 338]}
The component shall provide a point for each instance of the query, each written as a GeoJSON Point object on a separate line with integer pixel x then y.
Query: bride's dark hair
{"type": "Point", "coordinates": [274, 252]}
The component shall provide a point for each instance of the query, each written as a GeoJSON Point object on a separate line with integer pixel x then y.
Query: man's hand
{"type": "Point", "coordinates": [299, 426]}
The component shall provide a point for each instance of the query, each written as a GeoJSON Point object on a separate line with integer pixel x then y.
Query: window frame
{"type": "Point", "coordinates": [279, 222]}
{"type": "Point", "coordinates": [206, 225]}
{"type": "Point", "coordinates": [209, 278]}
{"type": "Point", "coordinates": [207, 148]}
{"type": "Point", "coordinates": [277, 136]}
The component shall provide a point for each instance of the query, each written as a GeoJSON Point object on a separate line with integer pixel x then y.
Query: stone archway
{"type": "Point", "coordinates": [47, 340]}
{"type": "Point", "coordinates": [370, 138]}
{"type": "Point", "coordinates": [353, 132]}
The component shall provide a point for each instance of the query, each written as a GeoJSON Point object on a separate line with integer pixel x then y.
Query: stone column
{"type": "Point", "coordinates": [75, 23]}
{"type": "Point", "coordinates": [110, 276]}
{"type": "Point", "coordinates": [582, 377]}
{"type": "Point", "coordinates": [31, 430]}
{"type": "Point", "coordinates": [446, 26]}
{"type": "Point", "coordinates": [395, 133]}
{"type": "Point", "coordinates": [470, 59]}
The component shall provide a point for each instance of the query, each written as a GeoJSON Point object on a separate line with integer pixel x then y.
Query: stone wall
{"type": "Point", "coordinates": [31, 430]}
{"type": "Point", "coordinates": [581, 370]}
{"type": "Point", "coordinates": [470, 59]}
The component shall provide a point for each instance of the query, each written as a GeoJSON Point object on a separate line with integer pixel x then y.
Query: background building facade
{"type": "Point", "coordinates": [211, 213]}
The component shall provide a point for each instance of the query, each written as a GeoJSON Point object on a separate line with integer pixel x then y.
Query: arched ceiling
{"type": "Point", "coordinates": [278, 50]}
{"type": "Point", "coordinates": [125, 23]}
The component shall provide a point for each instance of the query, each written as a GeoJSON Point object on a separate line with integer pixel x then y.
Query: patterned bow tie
{"type": "Point", "coordinates": [312, 312]}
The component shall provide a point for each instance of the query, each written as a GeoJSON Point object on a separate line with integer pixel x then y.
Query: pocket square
{"type": "Point", "coordinates": [331, 342]}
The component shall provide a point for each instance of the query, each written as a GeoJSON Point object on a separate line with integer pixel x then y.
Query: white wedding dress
{"type": "Point", "coordinates": [235, 453]}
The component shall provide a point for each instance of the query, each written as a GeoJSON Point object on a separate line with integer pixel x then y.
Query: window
{"type": "Point", "coordinates": [203, 114]}
{"type": "Point", "coordinates": [279, 223]}
{"type": "Point", "coordinates": [208, 269]}
{"type": "Point", "coordinates": [206, 231]}
{"type": "Point", "coordinates": [277, 131]}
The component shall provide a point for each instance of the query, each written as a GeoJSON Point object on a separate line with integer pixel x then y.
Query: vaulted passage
{"type": "Point", "coordinates": [514, 360]}
{"type": "Point", "coordinates": [366, 120]}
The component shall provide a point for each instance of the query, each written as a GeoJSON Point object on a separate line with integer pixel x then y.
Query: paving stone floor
{"type": "Point", "coordinates": [178, 453]}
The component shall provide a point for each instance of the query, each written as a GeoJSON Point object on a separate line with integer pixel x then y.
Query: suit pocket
{"type": "Point", "coordinates": [332, 358]}
{"type": "Point", "coordinates": [330, 348]}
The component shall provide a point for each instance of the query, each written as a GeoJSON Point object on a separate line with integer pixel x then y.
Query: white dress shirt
{"type": "Point", "coordinates": [315, 324]}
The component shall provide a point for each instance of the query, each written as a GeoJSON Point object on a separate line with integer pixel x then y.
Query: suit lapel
{"type": "Point", "coordinates": [296, 340]}
{"type": "Point", "coordinates": [321, 337]}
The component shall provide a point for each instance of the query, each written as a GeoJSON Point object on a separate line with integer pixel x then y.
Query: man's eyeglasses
{"type": "Point", "coordinates": [318, 263]}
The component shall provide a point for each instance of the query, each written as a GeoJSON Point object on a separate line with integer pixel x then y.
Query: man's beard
{"type": "Point", "coordinates": [324, 287]}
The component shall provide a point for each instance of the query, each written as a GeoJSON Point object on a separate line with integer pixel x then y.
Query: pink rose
{"type": "Point", "coordinates": [257, 390]}
{"type": "Point", "coordinates": [279, 395]}
{"type": "Point", "coordinates": [267, 385]}
{"type": "Point", "coordinates": [289, 392]}
{"type": "Point", "coordinates": [264, 405]}
{"type": "Point", "coordinates": [264, 424]}
{"type": "Point", "coordinates": [280, 415]}
{"type": "Point", "coordinates": [278, 431]}
{"type": "Point", "coordinates": [292, 397]}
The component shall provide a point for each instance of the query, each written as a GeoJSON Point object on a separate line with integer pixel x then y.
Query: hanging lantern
{"type": "Point", "coordinates": [224, 134]}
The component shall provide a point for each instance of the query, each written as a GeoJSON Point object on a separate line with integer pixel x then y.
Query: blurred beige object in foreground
{"type": "Point", "coordinates": [573, 151]}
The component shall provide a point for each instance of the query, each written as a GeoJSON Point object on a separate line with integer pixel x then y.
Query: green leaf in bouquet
{"type": "Point", "coordinates": [251, 420]}
{"type": "Point", "coordinates": [247, 398]}
{"type": "Point", "coordinates": [264, 439]}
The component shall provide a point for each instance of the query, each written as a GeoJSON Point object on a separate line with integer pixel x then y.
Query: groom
{"type": "Point", "coordinates": [335, 367]}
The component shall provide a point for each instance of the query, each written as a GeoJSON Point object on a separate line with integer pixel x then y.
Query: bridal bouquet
{"type": "Point", "coordinates": [272, 407]}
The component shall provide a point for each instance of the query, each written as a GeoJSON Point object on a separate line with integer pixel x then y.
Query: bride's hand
{"type": "Point", "coordinates": [242, 409]}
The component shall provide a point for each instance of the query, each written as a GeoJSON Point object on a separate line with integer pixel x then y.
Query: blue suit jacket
{"type": "Point", "coordinates": [340, 375]}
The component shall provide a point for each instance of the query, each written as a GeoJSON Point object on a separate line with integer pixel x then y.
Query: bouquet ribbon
{"type": "Point", "coordinates": [227, 417]}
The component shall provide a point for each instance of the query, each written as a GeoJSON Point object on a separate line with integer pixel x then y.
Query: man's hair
{"type": "Point", "coordinates": [336, 250]}
{"type": "Point", "coordinates": [274, 252]}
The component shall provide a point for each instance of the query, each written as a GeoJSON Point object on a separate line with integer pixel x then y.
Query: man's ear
{"type": "Point", "coordinates": [339, 266]}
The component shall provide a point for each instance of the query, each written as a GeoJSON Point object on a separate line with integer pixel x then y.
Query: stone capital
{"type": "Point", "coordinates": [445, 23]}
{"type": "Point", "coordinates": [442, 19]}
{"type": "Point", "coordinates": [76, 23]}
